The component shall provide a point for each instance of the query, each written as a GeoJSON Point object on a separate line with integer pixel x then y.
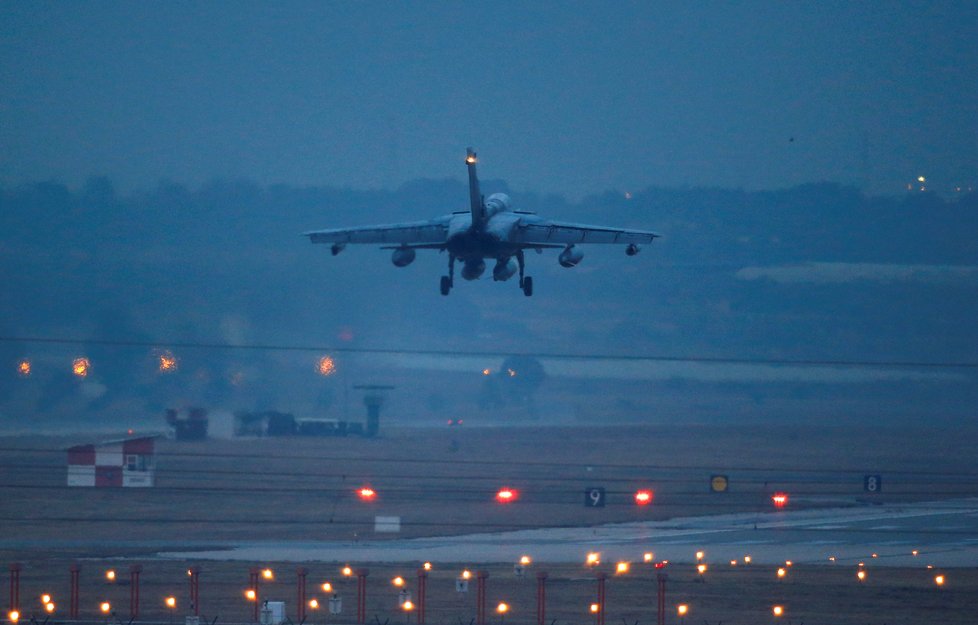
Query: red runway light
{"type": "Point", "coordinates": [780, 500]}
{"type": "Point", "coordinates": [643, 497]}
{"type": "Point", "coordinates": [507, 495]}
{"type": "Point", "coordinates": [366, 493]}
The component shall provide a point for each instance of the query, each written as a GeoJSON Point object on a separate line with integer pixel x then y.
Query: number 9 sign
{"type": "Point", "coordinates": [594, 497]}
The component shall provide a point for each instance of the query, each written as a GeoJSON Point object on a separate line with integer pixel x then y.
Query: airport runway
{"type": "Point", "coordinates": [945, 534]}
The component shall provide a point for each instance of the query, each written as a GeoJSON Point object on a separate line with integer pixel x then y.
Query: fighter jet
{"type": "Point", "coordinates": [490, 230]}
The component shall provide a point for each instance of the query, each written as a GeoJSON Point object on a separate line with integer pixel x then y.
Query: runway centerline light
{"type": "Point", "coordinates": [506, 495]}
{"type": "Point", "coordinates": [643, 497]}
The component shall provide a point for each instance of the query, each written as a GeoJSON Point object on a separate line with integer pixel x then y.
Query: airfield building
{"type": "Point", "coordinates": [120, 463]}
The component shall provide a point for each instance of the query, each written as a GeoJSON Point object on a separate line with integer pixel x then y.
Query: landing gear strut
{"type": "Point", "coordinates": [448, 281]}
{"type": "Point", "coordinates": [526, 283]}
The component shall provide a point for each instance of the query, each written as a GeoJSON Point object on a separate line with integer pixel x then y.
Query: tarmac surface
{"type": "Point", "coordinates": [944, 533]}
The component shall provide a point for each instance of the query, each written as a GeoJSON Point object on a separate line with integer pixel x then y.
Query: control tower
{"type": "Point", "coordinates": [373, 398]}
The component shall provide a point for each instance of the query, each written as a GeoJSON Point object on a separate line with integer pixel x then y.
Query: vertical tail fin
{"type": "Point", "coordinates": [475, 196]}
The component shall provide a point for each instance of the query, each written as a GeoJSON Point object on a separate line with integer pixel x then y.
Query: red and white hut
{"type": "Point", "coordinates": [129, 462]}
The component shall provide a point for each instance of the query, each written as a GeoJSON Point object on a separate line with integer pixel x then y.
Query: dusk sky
{"type": "Point", "coordinates": [566, 97]}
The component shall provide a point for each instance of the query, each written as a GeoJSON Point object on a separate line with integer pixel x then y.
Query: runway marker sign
{"type": "Point", "coordinates": [719, 483]}
{"type": "Point", "coordinates": [594, 497]}
{"type": "Point", "coordinates": [873, 483]}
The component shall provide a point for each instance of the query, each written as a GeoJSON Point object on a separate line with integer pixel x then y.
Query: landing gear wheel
{"type": "Point", "coordinates": [528, 286]}
{"type": "Point", "coordinates": [446, 285]}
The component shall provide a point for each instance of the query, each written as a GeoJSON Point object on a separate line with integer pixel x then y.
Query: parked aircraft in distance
{"type": "Point", "coordinates": [491, 230]}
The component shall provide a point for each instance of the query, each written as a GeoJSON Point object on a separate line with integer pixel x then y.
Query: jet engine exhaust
{"type": "Point", "coordinates": [403, 256]}
{"type": "Point", "coordinates": [504, 269]}
{"type": "Point", "coordinates": [570, 256]}
{"type": "Point", "coordinates": [473, 269]}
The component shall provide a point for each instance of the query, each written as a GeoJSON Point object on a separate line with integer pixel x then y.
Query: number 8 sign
{"type": "Point", "coordinates": [873, 483]}
{"type": "Point", "coordinates": [594, 497]}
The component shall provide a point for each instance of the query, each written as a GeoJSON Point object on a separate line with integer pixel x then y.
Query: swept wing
{"type": "Point", "coordinates": [532, 230]}
{"type": "Point", "coordinates": [433, 233]}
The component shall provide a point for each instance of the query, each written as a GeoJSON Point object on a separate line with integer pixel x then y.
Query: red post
{"type": "Point", "coordinates": [301, 573]}
{"type": "Point", "coordinates": [253, 576]}
{"type": "Point", "coordinates": [422, 590]}
{"type": "Point", "coordinates": [75, 571]}
{"type": "Point", "coordinates": [362, 595]}
{"type": "Point", "coordinates": [481, 578]}
{"type": "Point", "coordinates": [194, 574]}
{"type": "Point", "coordinates": [134, 572]}
{"type": "Point", "coordinates": [15, 586]}
{"type": "Point", "coordinates": [601, 598]}
{"type": "Point", "coordinates": [541, 598]}
{"type": "Point", "coordinates": [661, 579]}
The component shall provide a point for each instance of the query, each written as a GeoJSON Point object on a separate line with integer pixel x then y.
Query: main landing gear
{"type": "Point", "coordinates": [526, 282]}
{"type": "Point", "coordinates": [447, 282]}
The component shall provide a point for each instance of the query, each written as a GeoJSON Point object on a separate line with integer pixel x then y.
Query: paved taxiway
{"type": "Point", "coordinates": [945, 533]}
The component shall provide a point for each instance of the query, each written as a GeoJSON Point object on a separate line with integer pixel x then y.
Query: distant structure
{"type": "Point", "coordinates": [373, 398]}
{"type": "Point", "coordinates": [274, 423]}
{"type": "Point", "coordinates": [189, 424]}
{"type": "Point", "coordinates": [126, 463]}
